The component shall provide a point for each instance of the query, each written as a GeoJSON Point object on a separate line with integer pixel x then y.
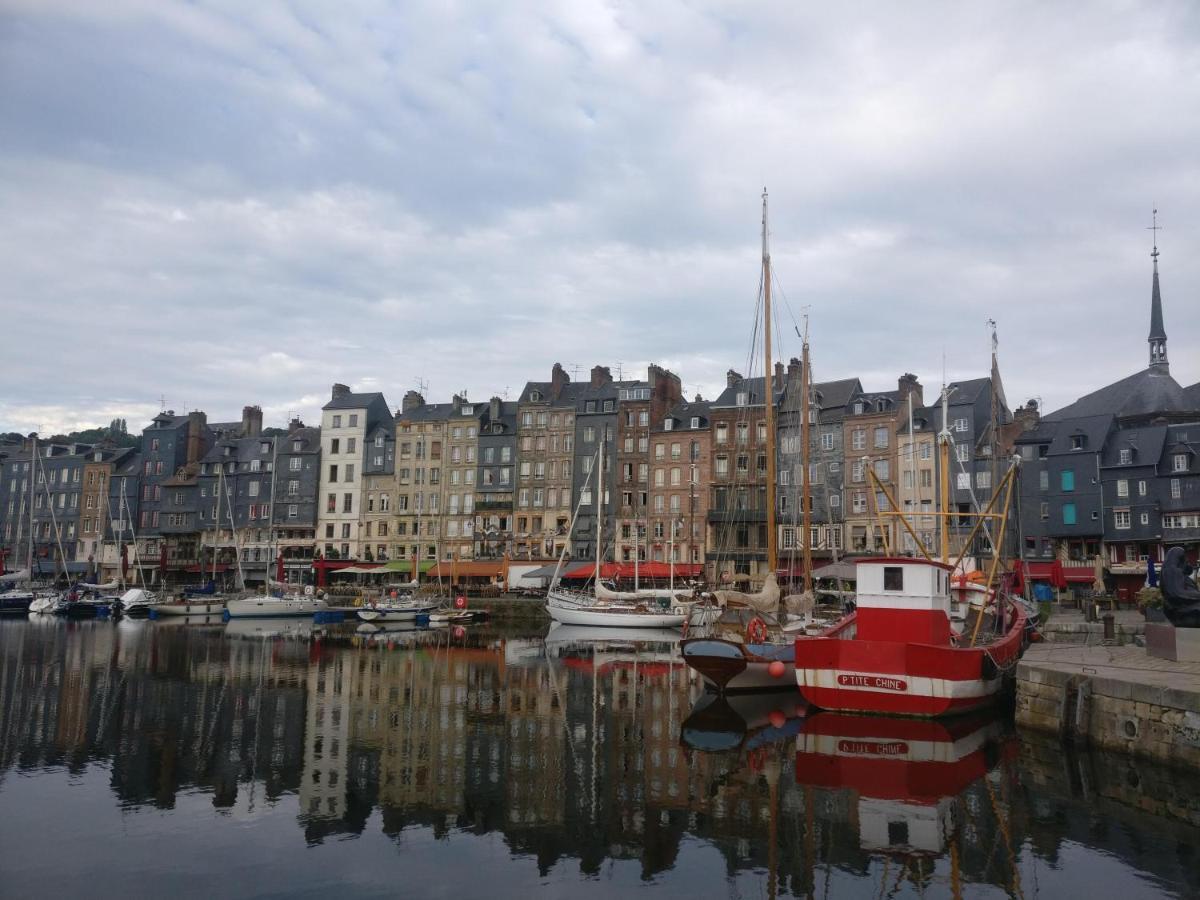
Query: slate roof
{"type": "Point", "coordinates": [833, 394]}
{"type": "Point", "coordinates": [682, 413]}
{"type": "Point", "coordinates": [1146, 443]}
{"type": "Point", "coordinates": [353, 401]}
{"type": "Point", "coordinates": [309, 437]}
{"type": "Point", "coordinates": [753, 386]}
{"type": "Point", "coordinates": [1093, 428]}
{"type": "Point", "coordinates": [1192, 395]}
{"type": "Point", "coordinates": [1144, 393]}
{"type": "Point", "coordinates": [427, 412]}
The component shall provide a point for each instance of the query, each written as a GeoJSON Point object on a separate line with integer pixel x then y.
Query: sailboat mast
{"type": "Point", "coordinates": [599, 506]}
{"type": "Point", "coordinates": [944, 459]}
{"type": "Point", "coordinates": [806, 486]}
{"type": "Point", "coordinates": [769, 396]}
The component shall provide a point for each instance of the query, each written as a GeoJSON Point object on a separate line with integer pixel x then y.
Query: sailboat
{"type": "Point", "coordinates": [746, 648]}
{"type": "Point", "coordinates": [572, 607]}
{"type": "Point", "coordinates": [400, 607]}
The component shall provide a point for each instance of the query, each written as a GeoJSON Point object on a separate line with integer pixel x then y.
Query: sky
{"type": "Point", "coordinates": [208, 205]}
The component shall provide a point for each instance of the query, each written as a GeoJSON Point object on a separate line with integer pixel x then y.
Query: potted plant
{"type": "Point", "coordinates": [1150, 602]}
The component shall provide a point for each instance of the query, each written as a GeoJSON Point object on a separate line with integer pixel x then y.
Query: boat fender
{"type": "Point", "coordinates": [756, 631]}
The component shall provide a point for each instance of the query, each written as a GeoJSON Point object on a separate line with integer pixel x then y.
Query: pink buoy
{"type": "Point", "coordinates": [777, 718]}
{"type": "Point", "coordinates": [776, 669]}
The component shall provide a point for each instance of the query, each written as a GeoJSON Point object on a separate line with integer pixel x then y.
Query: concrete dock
{"type": "Point", "coordinates": [1113, 697]}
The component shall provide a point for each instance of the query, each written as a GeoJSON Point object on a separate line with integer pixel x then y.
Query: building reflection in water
{"type": "Point", "coordinates": [572, 748]}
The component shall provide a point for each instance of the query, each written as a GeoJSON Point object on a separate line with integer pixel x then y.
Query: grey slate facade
{"type": "Point", "coordinates": [495, 481]}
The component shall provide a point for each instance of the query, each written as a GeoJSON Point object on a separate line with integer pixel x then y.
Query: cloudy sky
{"type": "Point", "coordinates": [214, 204]}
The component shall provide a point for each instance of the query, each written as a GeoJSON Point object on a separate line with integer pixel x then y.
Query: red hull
{"type": "Point", "coordinates": [903, 678]}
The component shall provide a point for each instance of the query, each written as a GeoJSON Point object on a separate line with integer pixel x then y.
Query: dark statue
{"type": "Point", "coordinates": [1181, 597]}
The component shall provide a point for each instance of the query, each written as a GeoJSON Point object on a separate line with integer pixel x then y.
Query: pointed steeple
{"type": "Point", "coordinates": [1158, 333]}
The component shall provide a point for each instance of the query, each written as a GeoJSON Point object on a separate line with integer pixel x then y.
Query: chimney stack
{"type": "Point", "coordinates": [412, 400]}
{"type": "Point", "coordinates": [494, 409]}
{"type": "Point", "coordinates": [339, 390]}
{"type": "Point", "coordinates": [251, 421]}
{"type": "Point", "coordinates": [1028, 416]}
{"type": "Point", "coordinates": [197, 423]}
{"type": "Point", "coordinates": [600, 376]}
{"type": "Point", "coordinates": [793, 368]}
{"type": "Point", "coordinates": [732, 378]}
{"type": "Point", "coordinates": [908, 384]}
{"type": "Point", "coordinates": [558, 380]}
{"type": "Point", "coordinates": [295, 425]}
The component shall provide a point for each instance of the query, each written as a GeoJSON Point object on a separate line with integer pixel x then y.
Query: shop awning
{"type": "Point", "coordinates": [404, 566]}
{"type": "Point", "coordinates": [1044, 571]}
{"type": "Point", "coordinates": [463, 568]}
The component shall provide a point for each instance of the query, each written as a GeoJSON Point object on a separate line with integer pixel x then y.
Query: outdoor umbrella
{"type": "Point", "coordinates": [1151, 574]}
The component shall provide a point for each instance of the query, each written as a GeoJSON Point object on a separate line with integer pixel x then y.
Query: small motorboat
{"type": "Point", "coordinates": [401, 609]}
{"type": "Point", "coordinates": [137, 602]}
{"type": "Point", "coordinates": [16, 601]}
{"type": "Point", "coordinates": [204, 605]}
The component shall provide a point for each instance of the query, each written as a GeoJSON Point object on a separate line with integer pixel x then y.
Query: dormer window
{"type": "Point", "coordinates": [1077, 442]}
{"type": "Point", "coordinates": [227, 450]}
{"type": "Point", "coordinates": [1179, 463]}
{"type": "Point", "coordinates": [264, 447]}
{"type": "Point", "coordinates": [743, 398]}
{"type": "Point", "coordinates": [1126, 456]}
{"type": "Point", "coordinates": [296, 446]}
{"type": "Point", "coordinates": [535, 396]}
{"type": "Point", "coordinates": [695, 421]}
{"type": "Point", "coordinates": [858, 407]}
{"type": "Point", "coordinates": [668, 424]}
{"type": "Point", "coordinates": [497, 428]}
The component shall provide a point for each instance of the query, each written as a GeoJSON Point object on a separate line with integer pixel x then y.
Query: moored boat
{"type": "Point", "coordinates": [190, 607]}
{"type": "Point", "coordinates": [16, 601]}
{"type": "Point", "coordinates": [898, 653]}
{"type": "Point", "coordinates": [398, 610]}
{"type": "Point", "coordinates": [274, 607]}
{"type": "Point", "coordinates": [744, 650]}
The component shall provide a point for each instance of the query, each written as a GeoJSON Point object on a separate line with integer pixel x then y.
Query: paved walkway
{"type": "Point", "coordinates": [1120, 663]}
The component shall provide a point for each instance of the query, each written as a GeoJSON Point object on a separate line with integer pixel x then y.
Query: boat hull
{"type": "Point", "coordinates": [395, 613]}
{"type": "Point", "coordinates": [613, 618]}
{"type": "Point", "coordinates": [727, 666]}
{"type": "Point", "coordinates": [14, 602]}
{"type": "Point", "coordinates": [845, 674]}
{"type": "Point", "coordinates": [272, 608]}
{"type": "Point", "coordinates": [205, 608]}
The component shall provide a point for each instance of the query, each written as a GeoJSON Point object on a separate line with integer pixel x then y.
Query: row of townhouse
{"type": "Point", "coordinates": [683, 481]}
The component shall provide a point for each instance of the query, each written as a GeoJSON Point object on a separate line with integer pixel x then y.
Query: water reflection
{"type": "Point", "coordinates": [597, 749]}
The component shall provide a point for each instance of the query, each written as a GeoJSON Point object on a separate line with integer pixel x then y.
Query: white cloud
{"type": "Point", "coordinates": [466, 194]}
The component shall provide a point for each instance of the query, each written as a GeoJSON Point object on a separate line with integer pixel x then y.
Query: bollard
{"type": "Point", "coordinates": [1110, 627]}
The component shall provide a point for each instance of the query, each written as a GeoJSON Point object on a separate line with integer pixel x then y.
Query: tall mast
{"type": "Point", "coordinates": [600, 507]}
{"type": "Point", "coordinates": [769, 398]}
{"type": "Point", "coordinates": [944, 459]}
{"type": "Point", "coordinates": [271, 514]}
{"type": "Point", "coordinates": [806, 487]}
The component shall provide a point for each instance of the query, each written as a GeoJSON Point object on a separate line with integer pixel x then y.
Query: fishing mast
{"type": "Point", "coordinates": [769, 395]}
{"type": "Point", "coordinates": [806, 486]}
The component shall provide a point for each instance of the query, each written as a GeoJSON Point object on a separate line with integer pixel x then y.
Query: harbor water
{"type": "Point", "coordinates": [279, 758]}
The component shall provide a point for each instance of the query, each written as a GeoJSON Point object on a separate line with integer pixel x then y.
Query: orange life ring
{"type": "Point", "coordinates": [756, 631]}
{"type": "Point", "coordinates": [460, 602]}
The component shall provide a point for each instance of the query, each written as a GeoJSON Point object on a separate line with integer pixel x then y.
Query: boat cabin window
{"type": "Point", "coordinates": [893, 578]}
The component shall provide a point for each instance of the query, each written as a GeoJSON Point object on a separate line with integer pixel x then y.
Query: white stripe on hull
{"type": "Point", "coordinates": [914, 685]}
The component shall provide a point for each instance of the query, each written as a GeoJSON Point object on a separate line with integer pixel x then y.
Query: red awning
{"type": "Point", "coordinates": [1045, 571]}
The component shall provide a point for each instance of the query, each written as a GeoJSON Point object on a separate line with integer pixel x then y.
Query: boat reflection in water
{"type": "Point", "coordinates": [726, 722]}
{"type": "Point", "coordinates": [905, 777]}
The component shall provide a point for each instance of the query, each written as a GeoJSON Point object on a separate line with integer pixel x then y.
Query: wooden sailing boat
{"type": "Point", "coordinates": [745, 649]}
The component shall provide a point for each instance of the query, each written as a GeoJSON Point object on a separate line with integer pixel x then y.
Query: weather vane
{"type": "Point", "coordinates": [1155, 228]}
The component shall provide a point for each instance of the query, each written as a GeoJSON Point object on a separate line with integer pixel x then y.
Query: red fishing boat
{"type": "Point", "coordinates": [901, 652]}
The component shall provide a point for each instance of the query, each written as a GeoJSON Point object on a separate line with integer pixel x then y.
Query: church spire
{"type": "Point", "coordinates": [1158, 333]}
